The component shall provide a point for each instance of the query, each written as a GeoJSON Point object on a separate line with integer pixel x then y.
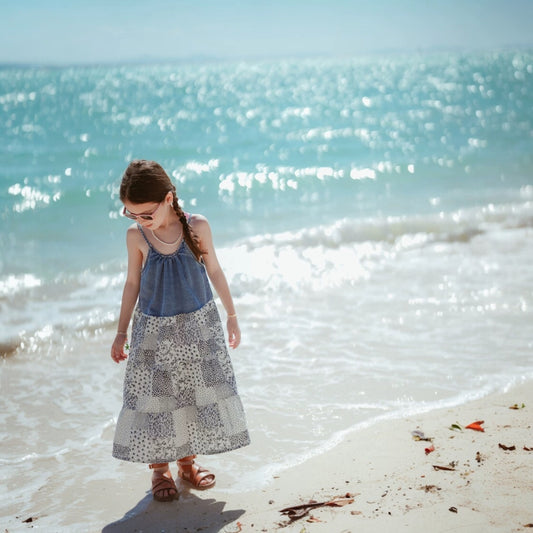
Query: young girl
{"type": "Point", "coordinates": [180, 397]}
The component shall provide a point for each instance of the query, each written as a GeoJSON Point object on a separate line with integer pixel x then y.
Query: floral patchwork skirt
{"type": "Point", "coordinates": [180, 396]}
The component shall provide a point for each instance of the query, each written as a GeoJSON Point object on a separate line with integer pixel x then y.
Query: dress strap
{"type": "Point", "coordinates": [145, 237]}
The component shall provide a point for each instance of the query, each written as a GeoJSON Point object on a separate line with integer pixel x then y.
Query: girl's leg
{"type": "Point", "coordinates": [163, 486]}
{"type": "Point", "coordinates": [198, 476]}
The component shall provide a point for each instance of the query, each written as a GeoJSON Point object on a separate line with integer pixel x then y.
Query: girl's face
{"type": "Point", "coordinates": [149, 214]}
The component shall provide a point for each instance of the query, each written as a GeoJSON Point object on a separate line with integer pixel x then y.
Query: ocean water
{"type": "Point", "coordinates": [374, 217]}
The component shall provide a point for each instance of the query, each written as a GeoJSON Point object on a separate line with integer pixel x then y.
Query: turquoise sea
{"type": "Point", "coordinates": [374, 217]}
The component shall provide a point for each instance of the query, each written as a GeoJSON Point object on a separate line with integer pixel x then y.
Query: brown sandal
{"type": "Point", "coordinates": [196, 474]}
{"type": "Point", "coordinates": [162, 483]}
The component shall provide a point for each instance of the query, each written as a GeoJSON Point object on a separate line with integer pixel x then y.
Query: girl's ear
{"type": "Point", "coordinates": [169, 198]}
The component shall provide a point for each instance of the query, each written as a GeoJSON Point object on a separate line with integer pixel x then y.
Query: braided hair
{"type": "Point", "coordinates": [146, 181]}
{"type": "Point", "coordinates": [192, 240]}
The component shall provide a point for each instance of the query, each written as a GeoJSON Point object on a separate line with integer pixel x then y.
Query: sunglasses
{"type": "Point", "coordinates": [148, 216]}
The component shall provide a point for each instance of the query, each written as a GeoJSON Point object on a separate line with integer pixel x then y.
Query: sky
{"type": "Point", "coordinates": [111, 31]}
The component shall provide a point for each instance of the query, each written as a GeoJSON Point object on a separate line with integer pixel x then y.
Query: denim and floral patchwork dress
{"type": "Point", "coordinates": [180, 395]}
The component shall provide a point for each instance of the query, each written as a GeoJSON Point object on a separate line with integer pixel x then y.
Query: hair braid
{"type": "Point", "coordinates": [190, 238]}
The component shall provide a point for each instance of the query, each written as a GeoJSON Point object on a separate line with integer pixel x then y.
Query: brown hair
{"type": "Point", "coordinates": [146, 181]}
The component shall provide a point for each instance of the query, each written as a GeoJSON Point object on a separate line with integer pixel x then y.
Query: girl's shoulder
{"type": "Point", "coordinates": [197, 222]}
{"type": "Point", "coordinates": [135, 236]}
{"type": "Point", "coordinates": [136, 242]}
{"type": "Point", "coordinates": [133, 231]}
{"type": "Point", "coordinates": [200, 226]}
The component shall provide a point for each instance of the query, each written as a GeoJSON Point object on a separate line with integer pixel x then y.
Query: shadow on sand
{"type": "Point", "coordinates": [187, 515]}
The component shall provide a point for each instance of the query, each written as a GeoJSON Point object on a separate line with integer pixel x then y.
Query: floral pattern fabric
{"type": "Point", "coordinates": [180, 395]}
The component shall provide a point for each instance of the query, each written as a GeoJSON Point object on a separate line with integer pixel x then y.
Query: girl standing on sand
{"type": "Point", "coordinates": [180, 396]}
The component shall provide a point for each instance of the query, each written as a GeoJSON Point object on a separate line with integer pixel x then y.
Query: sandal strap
{"type": "Point", "coordinates": [196, 475]}
{"type": "Point", "coordinates": [199, 473]}
{"type": "Point", "coordinates": [157, 465]}
{"type": "Point", "coordinates": [187, 461]}
{"type": "Point", "coordinates": [163, 480]}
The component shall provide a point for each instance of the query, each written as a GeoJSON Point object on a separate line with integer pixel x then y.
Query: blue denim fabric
{"type": "Point", "coordinates": [173, 284]}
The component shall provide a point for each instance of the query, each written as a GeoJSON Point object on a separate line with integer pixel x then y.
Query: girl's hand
{"type": "Point", "coordinates": [117, 350]}
{"type": "Point", "coordinates": [234, 333]}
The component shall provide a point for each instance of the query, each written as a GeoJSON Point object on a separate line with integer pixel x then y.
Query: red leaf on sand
{"type": "Point", "coordinates": [476, 426]}
{"type": "Point", "coordinates": [429, 450]}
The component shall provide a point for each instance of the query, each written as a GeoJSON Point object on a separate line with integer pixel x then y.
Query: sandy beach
{"type": "Point", "coordinates": [474, 481]}
{"type": "Point", "coordinates": [391, 479]}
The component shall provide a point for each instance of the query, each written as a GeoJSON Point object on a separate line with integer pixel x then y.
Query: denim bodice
{"type": "Point", "coordinates": [174, 283]}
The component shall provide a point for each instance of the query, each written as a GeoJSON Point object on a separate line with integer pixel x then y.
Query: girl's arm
{"type": "Point", "coordinates": [201, 228]}
{"type": "Point", "coordinates": [129, 294]}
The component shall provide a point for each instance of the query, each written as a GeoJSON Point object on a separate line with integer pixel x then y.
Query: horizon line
{"type": "Point", "coordinates": [206, 58]}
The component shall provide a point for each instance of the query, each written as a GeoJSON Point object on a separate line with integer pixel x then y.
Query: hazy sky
{"type": "Point", "coordinates": [88, 31]}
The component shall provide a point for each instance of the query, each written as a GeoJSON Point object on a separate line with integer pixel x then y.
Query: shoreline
{"type": "Point", "coordinates": [389, 476]}
{"type": "Point", "coordinates": [386, 472]}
